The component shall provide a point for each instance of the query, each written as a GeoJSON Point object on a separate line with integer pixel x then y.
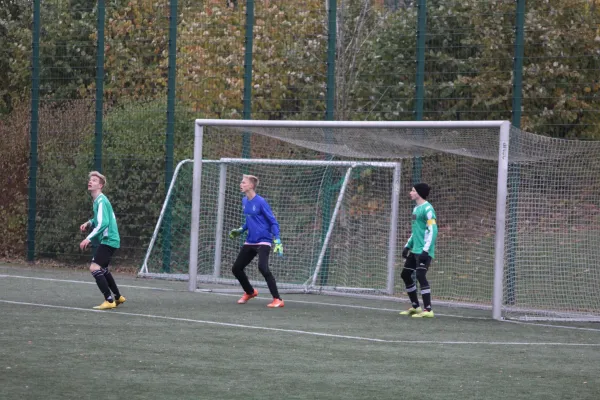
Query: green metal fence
{"type": "Point", "coordinates": [114, 84]}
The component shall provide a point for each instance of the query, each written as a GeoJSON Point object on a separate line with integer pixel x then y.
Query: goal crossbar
{"type": "Point", "coordinates": [352, 124]}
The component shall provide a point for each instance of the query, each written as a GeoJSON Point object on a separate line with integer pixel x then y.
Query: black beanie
{"type": "Point", "coordinates": [422, 190]}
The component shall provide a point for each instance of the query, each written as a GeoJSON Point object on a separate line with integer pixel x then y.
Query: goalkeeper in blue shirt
{"type": "Point", "coordinates": [262, 227]}
{"type": "Point", "coordinates": [106, 232]}
{"type": "Point", "coordinates": [419, 251]}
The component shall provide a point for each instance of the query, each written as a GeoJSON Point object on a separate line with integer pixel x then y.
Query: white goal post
{"type": "Point", "coordinates": [502, 126]}
{"type": "Point", "coordinates": [495, 189]}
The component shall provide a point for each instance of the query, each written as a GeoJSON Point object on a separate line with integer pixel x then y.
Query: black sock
{"type": "Point", "coordinates": [111, 283]}
{"type": "Point", "coordinates": [102, 285]}
{"type": "Point", "coordinates": [414, 299]}
{"type": "Point", "coordinates": [427, 301]}
{"type": "Point", "coordinates": [425, 289]}
{"type": "Point", "coordinates": [426, 294]}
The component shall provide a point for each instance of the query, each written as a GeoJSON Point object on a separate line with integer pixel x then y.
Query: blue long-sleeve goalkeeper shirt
{"type": "Point", "coordinates": [261, 224]}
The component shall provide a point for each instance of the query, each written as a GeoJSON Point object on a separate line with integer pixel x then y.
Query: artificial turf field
{"type": "Point", "coordinates": [168, 343]}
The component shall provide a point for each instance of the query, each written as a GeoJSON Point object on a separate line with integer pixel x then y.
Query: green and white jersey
{"type": "Point", "coordinates": [104, 224]}
{"type": "Point", "coordinates": [424, 230]}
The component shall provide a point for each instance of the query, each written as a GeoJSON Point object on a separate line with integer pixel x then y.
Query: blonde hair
{"type": "Point", "coordinates": [253, 179]}
{"type": "Point", "coordinates": [98, 175]}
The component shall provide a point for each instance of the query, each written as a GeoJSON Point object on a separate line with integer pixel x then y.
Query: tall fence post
{"type": "Point", "coordinates": [514, 176]}
{"type": "Point", "coordinates": [247, 112]}
{"type": "Point", "coordinates": [33, 132]}
{"type": "Point", "coordinates": [331, 53]}
{"type": "Point", "coordinates": [328, 194]}
{"type": "Point", "coordinates": [170, 132]}
{"type": "Point", "coordinates": [99, 85]}
{"type": "Point", "coordinates": [420, 78]}
{"type": "Point", "coordinates": [248, 61]}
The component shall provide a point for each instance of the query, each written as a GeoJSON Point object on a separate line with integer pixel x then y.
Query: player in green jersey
{"type": "Point", "coordinates": [106, 233]}
{"type": "Point", "coordinates": [419, 251]}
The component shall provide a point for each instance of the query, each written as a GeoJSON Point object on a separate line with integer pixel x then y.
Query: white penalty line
{"type": "Point", "coordinates": [84, 282]}
{"type": "Point", "coordinates": [301, 332]}
{"type": "Point", "coordinates": [319, 303]}
{"type": "Point", "coordinates": [306, 302]}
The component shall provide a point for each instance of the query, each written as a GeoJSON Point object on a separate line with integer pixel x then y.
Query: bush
{"type": "Point", "coordinates": [133, 160]}
{"type": "Point", "coordinates": [14, 153]}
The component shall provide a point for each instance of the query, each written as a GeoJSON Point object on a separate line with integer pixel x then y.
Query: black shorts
{"type": "Point", "coordinates": [103, 255]}
{"type": "Point", "coordinates": [412, 262]}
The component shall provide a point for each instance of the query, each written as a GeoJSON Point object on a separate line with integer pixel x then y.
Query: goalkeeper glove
{"type": "Point", "coordinates": [236, 232]}
{"type": "Point", "coordinates": [424, 258]}
{"type": "Point", "coordinates": [278, 248]}
{"type": "Point", "coordinates": [405, 252]}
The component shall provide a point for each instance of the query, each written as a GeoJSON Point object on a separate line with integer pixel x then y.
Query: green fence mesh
{"type": "Point", "coordinates": [469, 73]}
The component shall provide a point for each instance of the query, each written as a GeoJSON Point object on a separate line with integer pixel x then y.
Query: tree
{"type": "Point", "coordinates": [469, 64]}
{"type": "Point", "coordinates": [136, 51]}
{"type": "Point", "coordinates": [288, 64]}
{"type": "Point", "coordinates": [67, 49]}
{"type": "Point", "coordinates": [15, 52]}
{"type": "Point", "coordinates": [358, 93]}
{"type": "Point", "coordinates": [561, 83]}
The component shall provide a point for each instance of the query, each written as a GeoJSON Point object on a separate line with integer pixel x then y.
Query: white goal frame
{"type": "Point", "coordinates": [501, 195]}
{"type": "Point", "coordinates": [310, 284]}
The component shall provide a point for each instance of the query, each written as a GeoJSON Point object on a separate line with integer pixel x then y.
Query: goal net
{"type": "Point", "coordinates": [517, 213]}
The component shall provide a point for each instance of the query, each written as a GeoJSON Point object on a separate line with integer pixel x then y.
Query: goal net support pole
{"type": "Point", "coordinates": [330, 228]}
{"type": "Point", "coordinates": [502, 194]}
{"type": "Point", "coordinates": [195, 225]}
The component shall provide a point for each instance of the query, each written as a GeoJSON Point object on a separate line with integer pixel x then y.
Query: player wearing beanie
{"type": "Point", "coordinates": [419, 251]}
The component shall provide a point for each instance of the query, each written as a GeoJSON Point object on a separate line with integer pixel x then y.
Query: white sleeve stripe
{"type": "Point", "coordinates": [98, 225]}
{"type": "Point", "coordinates": [428, 238]}
{"type": "Point", "coordinates": [428, 233]}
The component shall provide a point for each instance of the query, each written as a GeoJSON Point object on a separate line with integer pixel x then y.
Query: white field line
{"type": "Point", "coordinates": [302, 332]}
{"type": "Point", "coordinates": [304, 302]}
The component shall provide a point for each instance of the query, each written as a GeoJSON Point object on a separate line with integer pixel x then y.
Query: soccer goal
{"type": "Point", "coordinates": [517, 213]}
